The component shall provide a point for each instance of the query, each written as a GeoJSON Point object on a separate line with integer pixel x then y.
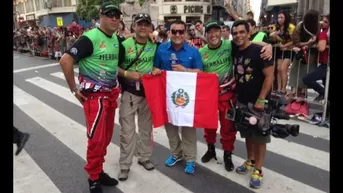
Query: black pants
{"type": "Point", "coordinates": [319, 73]}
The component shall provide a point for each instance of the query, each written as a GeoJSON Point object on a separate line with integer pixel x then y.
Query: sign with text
{"type": "Point", "coordinates": [193, 9]}
{"type": "Point", "coordinates": [59, 21]}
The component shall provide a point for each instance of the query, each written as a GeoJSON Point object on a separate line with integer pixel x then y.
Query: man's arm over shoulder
{"type": "Point", "coordinates": [158, 59]}
{"type": "Point", "coordinates": [197, 64]}
{"type": "Point", "coordinates": [82, 48]}
{"type": "Point", "coordinates": [121, 59]}
{"type": "Point", "coordinates": [267, 67]}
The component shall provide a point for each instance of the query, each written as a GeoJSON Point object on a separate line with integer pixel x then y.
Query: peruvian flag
{"type": "Point", "coordinates": [183, 99]}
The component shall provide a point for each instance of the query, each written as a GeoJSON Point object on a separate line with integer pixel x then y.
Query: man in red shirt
{"type": "Point", "coordinates": [319, 73]}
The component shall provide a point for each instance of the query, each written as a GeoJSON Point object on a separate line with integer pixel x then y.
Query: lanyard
{"type": "Point", "coordinates": [138, 54]}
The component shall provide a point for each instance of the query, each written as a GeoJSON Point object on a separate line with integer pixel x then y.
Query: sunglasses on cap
{"type": "Point", "coordinates": [112, 14]}
{"type": "Point", "coordinates": [174, 32]}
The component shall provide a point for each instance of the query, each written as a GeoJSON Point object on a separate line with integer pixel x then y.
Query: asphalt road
{"type": "Point", "coordinates": [54, 157]}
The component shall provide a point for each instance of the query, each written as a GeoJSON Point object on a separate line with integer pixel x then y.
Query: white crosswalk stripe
{"type": "Point", "coordinates": [29, 178]}
{"type": "Point", "coordinates": [72, 134]}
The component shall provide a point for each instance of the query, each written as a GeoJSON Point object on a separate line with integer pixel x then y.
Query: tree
{"type": "Point", "coordinates": [88, 9]}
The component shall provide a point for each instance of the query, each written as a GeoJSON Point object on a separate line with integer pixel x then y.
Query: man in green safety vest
{"type": "Point", "coordinates": [256, 36]}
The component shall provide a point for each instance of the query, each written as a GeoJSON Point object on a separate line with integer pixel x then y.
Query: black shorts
{"type": "Point", "coordinates": [284, 54]}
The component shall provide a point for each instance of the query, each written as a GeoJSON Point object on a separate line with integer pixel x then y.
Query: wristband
{"type": "Point", "coordinates": [262, 101]}
{"type": "Point", "coordinates": [125, 74]}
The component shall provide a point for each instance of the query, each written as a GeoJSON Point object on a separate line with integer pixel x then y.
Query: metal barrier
{"type": "Point", "coordinates": [310, 52]}
{"type": "Point", "coordinates": [30, 45]}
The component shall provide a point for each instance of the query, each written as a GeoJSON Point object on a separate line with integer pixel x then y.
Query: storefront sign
{"type": "Point", "coordinates": [59, 21]}
{"type": "Point", "coordinates": [193, 9]}
{"type": "Point", "coordinates": [30, 17]}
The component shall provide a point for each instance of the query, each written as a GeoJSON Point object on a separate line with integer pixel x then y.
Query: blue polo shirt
{"type": "Point", "coordinates": [188, 56]}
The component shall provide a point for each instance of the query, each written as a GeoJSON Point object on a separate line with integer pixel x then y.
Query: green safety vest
{"type": "Point", "coordinates": [259, 37]}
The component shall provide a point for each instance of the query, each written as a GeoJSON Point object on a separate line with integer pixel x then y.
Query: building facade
{"type": "Point", "coordinates": [186, 10]}
{"type": "Point", "coordinates": [46, 12]}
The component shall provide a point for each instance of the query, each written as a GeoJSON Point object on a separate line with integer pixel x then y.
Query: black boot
{"type": "Point", "coordinates": [106, 180]}
{"type": "Point", "coordinates": [94, 186]}
{"type": "Point", "coordinates": [228, 161]}
{"type": "Point", "coordinates": [211, 153]}
{"type": "Point", "coordinates": [19, 138]}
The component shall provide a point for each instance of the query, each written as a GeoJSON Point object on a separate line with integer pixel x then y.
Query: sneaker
{"type": "Point", "coordinates": [319, 98]}
{"type": "Point", "coordinates": [148, 165]}
{"type": "Point", "coordinates": [123, 174]}
{"type": "Point", "coordinates": [172, 160]}
{"type": "Point", "coordinates": [256, 179]}
{"type": "Point", "coordinates": [245, 168]}
{"type": "Point", "coordinates": [94, 186]}
{"type": "Point", "coordinates": [106, 180]}
{"type": "Point", "coordinates": [21, 142]}
{"type": "Point", "coordinates": [190, 167]}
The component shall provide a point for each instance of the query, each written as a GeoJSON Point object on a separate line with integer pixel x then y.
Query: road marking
{"type": "Point", "coordinates": [60, 75]}
{"type": "Point", "coordinates": [273, 181]}
{"type": "Point", "coordinates": [72, 134]}
{"type": "Point", "coordinates": [29, 177]}
{"type": "Point", "coordinates": [35, 67]}
{"type": "Point", "coordinates": [277, 147]}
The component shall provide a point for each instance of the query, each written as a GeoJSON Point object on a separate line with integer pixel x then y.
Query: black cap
{"type": "Point", "coordinates": [109, 6]}
{"type": "Point", "coordinates": [212, 24]}
{"type": "Point", "coordinates": [142, 17]}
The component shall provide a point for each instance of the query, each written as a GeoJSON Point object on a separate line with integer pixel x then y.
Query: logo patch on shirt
{"type": "Point", "coordinates": [102, 45]}
{"type": "Point", "coordinates": [73, 51]}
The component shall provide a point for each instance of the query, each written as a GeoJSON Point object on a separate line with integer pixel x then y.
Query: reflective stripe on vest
{"type": "Point", "coordinates": [259, 37]}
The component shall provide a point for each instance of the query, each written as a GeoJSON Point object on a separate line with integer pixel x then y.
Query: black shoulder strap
{"type": "Point", "coordinates": [137, 57]}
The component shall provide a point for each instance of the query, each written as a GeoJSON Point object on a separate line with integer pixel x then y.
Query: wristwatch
{"type": "Point", "coordinates": [74, 91]}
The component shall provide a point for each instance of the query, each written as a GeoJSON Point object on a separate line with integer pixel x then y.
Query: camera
{"type": "Point", "coordinates": [245, 117]}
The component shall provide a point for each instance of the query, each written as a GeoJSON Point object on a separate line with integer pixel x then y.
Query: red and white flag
{"type": "Point", "coordinates": [183, 99]}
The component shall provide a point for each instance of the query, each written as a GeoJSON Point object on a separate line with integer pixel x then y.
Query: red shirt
{"type": "Point", "coordinates": [324, 55]}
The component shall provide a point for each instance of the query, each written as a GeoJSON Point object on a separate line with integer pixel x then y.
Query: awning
{"type": "Point", "coordinates": [280, 2]}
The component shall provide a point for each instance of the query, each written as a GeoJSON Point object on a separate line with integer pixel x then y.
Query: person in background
{"type": "Point", "coordinates": [95, 23]}
{"type": "Point", "coordinates": [255, 35]}
{"type": "Point", "coordinates": [226, 33]}
{"type": "Point", "coordinates": [319, 73]}
{"type": "Point", "coordinates": [283, 35]}
{"type": "Point", "coordinates": [234, 14]}
{"type": "Point", "coordinates": [304, 36]}
{"type": "Point", "coordinates": [194, 40]}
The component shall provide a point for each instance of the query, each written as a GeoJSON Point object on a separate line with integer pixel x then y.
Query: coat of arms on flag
{"type": "Point", "coordinates": [180, 98]}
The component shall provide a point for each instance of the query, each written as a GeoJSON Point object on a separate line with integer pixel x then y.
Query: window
{"type": "Point", "coordinates": [20, 8]}
{"type": "Point", "coordinates": [56, 3]}
{"type": "Point", "coordinates": [39, 5]}
{"type": "Point", "coordinates": [67, 3]}
{"type": "Point", "coordinates": [29, 6]}
{"type": "Point", "coordinates": [207, 18]}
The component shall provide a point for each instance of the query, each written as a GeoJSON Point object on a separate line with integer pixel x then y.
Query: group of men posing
{"type": "Point", "coordinates": [110, 65]}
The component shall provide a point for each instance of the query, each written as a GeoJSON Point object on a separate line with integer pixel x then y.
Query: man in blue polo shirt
{"type": "Point", "coordinates": [188, 60]}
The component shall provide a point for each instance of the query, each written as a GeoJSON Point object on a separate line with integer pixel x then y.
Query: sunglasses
{"type": "Point", "coordinates": [174, 32]}
{"type": "Point", "coordinates": [112, 14]}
